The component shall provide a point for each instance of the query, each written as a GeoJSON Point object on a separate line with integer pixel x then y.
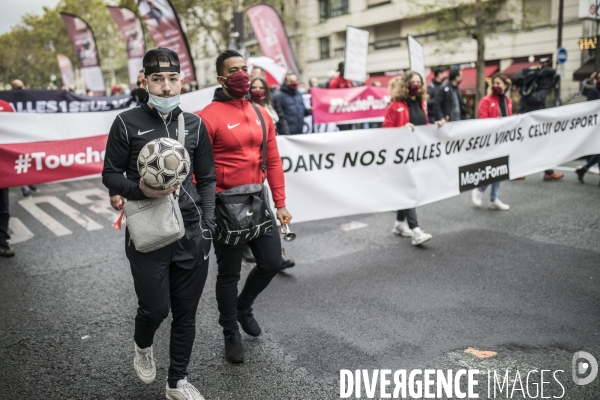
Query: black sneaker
{"type": "Point", "coordinates": [6, 251]}
{"type": "Point", "coordinates": [26, 192]}
{"type": "Point", "coordinates": [286, 262]}
{"type": "Point", "coordinates": [580, 173]}
{"type": "Point", "coordinates": [234, 351]}
{"type": "Point", "coordinates": [248, 256]}
{"type": "Point", "coordinates": [248, 323]}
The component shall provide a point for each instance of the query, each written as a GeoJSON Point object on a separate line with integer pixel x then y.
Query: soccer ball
{"type": "Point", "coordinates": [163, 163]}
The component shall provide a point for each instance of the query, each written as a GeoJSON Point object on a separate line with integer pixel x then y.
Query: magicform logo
{"type": "Point", "coordinates": [581, 368]}
{"type": "Point", "coordinates": [483, 173]}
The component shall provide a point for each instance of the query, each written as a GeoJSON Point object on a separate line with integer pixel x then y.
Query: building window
{"type": "Point", "coordinates": [332, 8]}
{"type": "Point", "coordinates": [323, 10]}
{"type": "Point", "coordinates": [324, 48]}
{"type": "Point", "coordinates": [339, 7]}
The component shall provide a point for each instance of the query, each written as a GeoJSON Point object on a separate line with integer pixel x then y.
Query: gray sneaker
{"type": "Point", "coordinates": [184, 391]}
{"type": "Point", "coordinates": [143, 364]}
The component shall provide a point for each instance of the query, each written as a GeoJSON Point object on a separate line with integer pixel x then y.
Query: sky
{"type": "Point", "coordinates": [12, 11]}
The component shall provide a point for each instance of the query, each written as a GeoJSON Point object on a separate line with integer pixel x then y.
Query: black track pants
{"type": "Point", "coordinates": [162, 284]}
{"type": "Point", "coordinates": [267, 252]}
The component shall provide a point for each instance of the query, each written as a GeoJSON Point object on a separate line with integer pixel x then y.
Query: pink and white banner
{"type": "Point", "coordinates": [348, 106]}
{"type": "Point", "coordinates": [84, 45]}
{"type": "Point", "coordinates": [131, 29]}
{"type": "Point", "coordinates": [163, 23]}
{"type": "Point", "coordinates": [38, 148]}
{"type": "Point", "coordinates": [66, 69]}
{"type": "Point", "coordinates": [272, 37]}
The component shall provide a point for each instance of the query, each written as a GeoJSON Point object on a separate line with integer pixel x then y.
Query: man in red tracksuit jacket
{"type": "Point", "coordinates": [235, 132]}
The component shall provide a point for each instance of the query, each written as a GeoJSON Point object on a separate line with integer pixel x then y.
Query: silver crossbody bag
{"type": "Point", "coordinates": [156, 223]}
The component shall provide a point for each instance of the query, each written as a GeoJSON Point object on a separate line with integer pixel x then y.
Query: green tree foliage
{"type": "Point", "coordinates": [28, 51]}
{"type": "Point", "coordinates": [213, 18]}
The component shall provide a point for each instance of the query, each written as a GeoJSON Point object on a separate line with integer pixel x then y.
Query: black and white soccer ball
{"type": "Point", "coordinates": [163, 163]}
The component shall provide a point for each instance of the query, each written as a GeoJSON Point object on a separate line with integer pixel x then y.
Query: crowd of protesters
{"type": "Point", "coordinates": [436, 103]}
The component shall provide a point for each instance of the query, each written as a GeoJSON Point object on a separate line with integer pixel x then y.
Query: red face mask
{"type": "Point", "coordinates": [497, 90]}
{"type": "Point", "coordinates": [293, 85]}
{"type": "Point", "coordinates": [598, 83]}
{"type": "Point", "coordinates": [258, 96]}
{"type": "Point", "coordinates": [238, 84]}
{"type": "Point", "coordinates": [414, 89]}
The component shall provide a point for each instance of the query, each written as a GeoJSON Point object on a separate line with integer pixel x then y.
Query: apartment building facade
{"type": "Point", "coordinates": [524, 30]}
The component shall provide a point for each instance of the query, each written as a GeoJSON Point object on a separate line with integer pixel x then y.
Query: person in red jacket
{"type": "Point", "coordinates": [495, 105]}
{"type": "Point", "coordinates": [408, 109]}
{"type": "Point", "coordinates": [235, 132]}
{"type": "Point", "coordinates": [339, 82]}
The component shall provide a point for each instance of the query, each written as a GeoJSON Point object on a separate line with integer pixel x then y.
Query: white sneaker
{"type": "Point", "coordinates": [143, 364]}
{"type": "Point", "coordinates": [420, 237]}
{"type": "Point", "coordinates": [184, 391]}
{"type": "Point", "coordinates": [498, 205]}
{"type": "Point", "coordinates": [477, 196]}
{"type": "Point", "coordinates": [401, 228]}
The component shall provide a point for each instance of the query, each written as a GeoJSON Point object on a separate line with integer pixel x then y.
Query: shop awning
{"type": "Point", "coordinates": [469, 82]}
{"type": "Point", "coordinates": [584, 71]}
{"type": "Point", "coordinates": [383, 79]}
{"type": "Point", "coordinates": [518, 67]}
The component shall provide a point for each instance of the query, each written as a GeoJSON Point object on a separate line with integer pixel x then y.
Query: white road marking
{"type": "Point", "coordinates": [20, 233]}
{"type": "Point", "coordinates": [352, 225]}
{"type": "Point", "coordinates": [98, 206]}
{"type": "Point", "coordinates": [56, 227]}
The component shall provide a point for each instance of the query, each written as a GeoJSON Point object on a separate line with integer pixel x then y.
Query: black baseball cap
{"type": "Point", "coordinates": [154, 57]}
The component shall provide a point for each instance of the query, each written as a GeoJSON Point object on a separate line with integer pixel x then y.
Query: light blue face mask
{"type": "Point", "coordinates": [164, 104]}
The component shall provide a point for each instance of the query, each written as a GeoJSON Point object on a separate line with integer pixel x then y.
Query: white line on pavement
{"type": "Point", "coordinates": [352, 225]}
{"type": "Point", "coordinates": [56, 227]}
{"type": "Point", "coordinates": [99, 206]}
{"type": "Point", "coordinates": [20, 233]}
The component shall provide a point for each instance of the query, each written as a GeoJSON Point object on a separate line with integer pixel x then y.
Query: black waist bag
{"type": "Point", "coordinates": [243, 212]}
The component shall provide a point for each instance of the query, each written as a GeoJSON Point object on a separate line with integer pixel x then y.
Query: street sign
{"type": "Point", "coordinates": [589, 9]}
{"type": "Point", "coordinates": [561, 55]}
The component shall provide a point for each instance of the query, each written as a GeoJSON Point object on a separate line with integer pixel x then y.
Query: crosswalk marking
{"type": "Point", "coordinates": [19, 232]}
{"type": "Point", "coordinates": [56, 227]}
{"type": "Point", "coordinates": [99, 206]}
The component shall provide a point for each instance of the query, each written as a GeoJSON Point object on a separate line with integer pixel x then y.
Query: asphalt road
{"type": "Point", "coordinates": [522, 283]}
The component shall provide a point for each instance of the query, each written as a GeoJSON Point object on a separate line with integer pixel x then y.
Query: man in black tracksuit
{"type": "Point", "coordinates": [171, 277]}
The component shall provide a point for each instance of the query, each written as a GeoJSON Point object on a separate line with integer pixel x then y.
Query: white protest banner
{"type": "Point", "coordinates": [416, 56]}
{"type": "Point", "coordinates": [339, 173]}
{"type": "Point", "coordinates": [375, 170]}
{"type": "Point", "coordinates": [355, 55]}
